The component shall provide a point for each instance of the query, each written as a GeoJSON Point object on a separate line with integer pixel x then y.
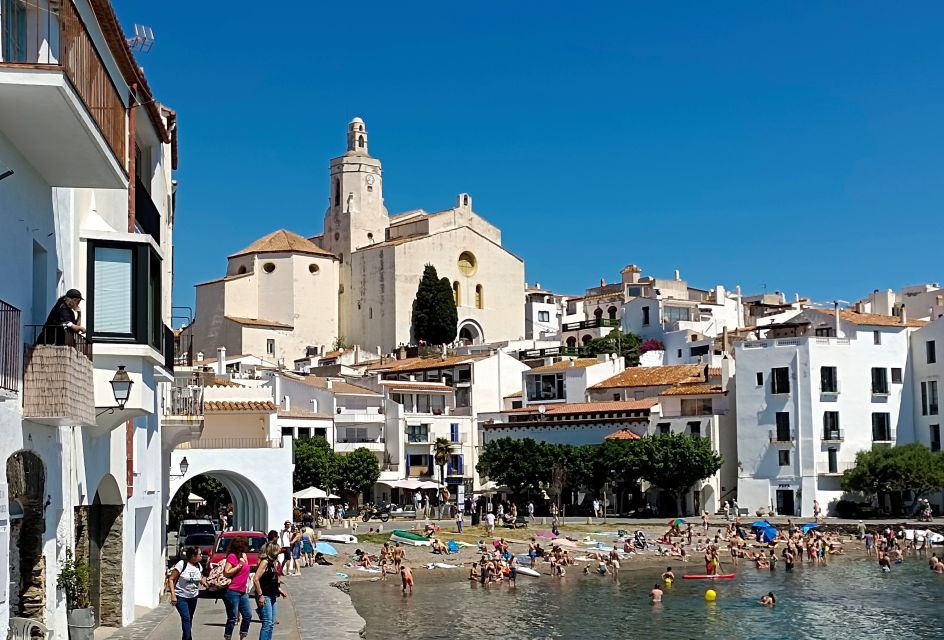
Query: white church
{"type": "Point", "coordinates": [356, 281]}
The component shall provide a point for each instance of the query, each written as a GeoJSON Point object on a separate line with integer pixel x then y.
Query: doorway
{"type": "Point", "coordinates": [785, 504]}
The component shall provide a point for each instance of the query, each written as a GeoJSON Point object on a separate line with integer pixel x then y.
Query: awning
{"type": "Point", "coordinates": [195, 498]}
{"type": "Point", "coordinates": [311, 493]}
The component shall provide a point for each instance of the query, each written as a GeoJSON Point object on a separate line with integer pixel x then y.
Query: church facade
{"type": "Point", "coordinates": [356, 281]}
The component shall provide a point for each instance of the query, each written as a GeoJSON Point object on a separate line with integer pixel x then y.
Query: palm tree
{"type": "Point", "coordinates": [442, 454]}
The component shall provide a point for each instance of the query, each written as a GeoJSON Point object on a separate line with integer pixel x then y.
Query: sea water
{"type": "Point", "coordinates": [848, 599]}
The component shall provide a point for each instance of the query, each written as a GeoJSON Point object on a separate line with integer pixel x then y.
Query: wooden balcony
{"type": "Point", "coordinates": [57, 378]}
{"type": "Point", "coordinates": [58, 103]}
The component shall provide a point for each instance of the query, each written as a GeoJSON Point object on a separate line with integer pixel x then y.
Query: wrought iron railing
{"type": "Point", "coordinates": [9, 347]}
{"type": "Point", "coordinates": [59, 336]}
{"type": "Point", "coordinates": [184, 401]}
{"type": "Point", "coordinates": [42, 34]}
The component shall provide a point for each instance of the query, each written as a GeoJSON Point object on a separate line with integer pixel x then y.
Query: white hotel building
{"type": "Point", "coordinates": [811, 393]}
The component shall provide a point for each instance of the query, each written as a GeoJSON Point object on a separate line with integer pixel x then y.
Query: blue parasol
{"type": "Point", "coordinates": [760, 524]}
{"type": "Point", "coordinates": [767, 534]}
{"type": "Point", "coordinates": [326, 549]}
{"type": "Point", "coordinates": [806, 528]}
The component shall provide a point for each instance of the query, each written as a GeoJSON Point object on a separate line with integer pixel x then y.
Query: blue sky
{"type": "Point", "coordinates": [794, 145]}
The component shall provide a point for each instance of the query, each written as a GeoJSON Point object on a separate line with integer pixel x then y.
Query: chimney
{"type": "Point", "coordinates": [706, 372]}
{"type": "Point", "coordinates": [221, 361]}
{"type": "Point", "coordinates": [537, 285]}
{"type": "Point", "coordinates": [357, 354]}
{"type": "Point", "coordinates": [727, 369]}
{"type": "Point", "coordinates": [904, 314]}
{"type": "Point", "coordinates": [678, 274]}
{"type": "Point", "coordinates": [330, 384]}
{"type": "Point", "coordinates": [836, 311]}
{"type": "Point", "coordinates": [602, 282]}
{"type": "Point", "coordinates": [199, 356]}
{"type": "Point", "coordinates": [570, 363]}
{"type": "Point", "coordinates": [796, 296]}
{"type": "Point", "coordinates": [724, 339]}
{"type": "Point", "coordinates": [287, 403]}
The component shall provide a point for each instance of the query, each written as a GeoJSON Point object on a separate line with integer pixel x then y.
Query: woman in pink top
{"type": "Point", "coordinates": [236, 568]}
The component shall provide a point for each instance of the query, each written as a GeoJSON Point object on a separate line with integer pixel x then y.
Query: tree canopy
{"type": "Point", "coordinates": [910, 467]}
{"type": "Point", "coordinates": [315, 464]}
{"type": "Point", "coordinates": [624, 344]}
{"type": "Point", "coordinates": [435, 318]}
{"type": "Point", "coordinates": [357, 472]}
{"type": "Point", "coordinates": [674, 462]}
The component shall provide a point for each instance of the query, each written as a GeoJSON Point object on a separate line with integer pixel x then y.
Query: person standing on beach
{"type": "Point", "coordinates": [869, 539]}
{"type": "Point", "coordinates": [398, 557]}
{"type": "Point", "coordinates": [530, 510]}
{"type": "Point", "coordinates": [532, 552]}
{"type": "Point", "coordinates": [425, 505]}
{"type": "Point", "coordinates": [384, 560]}
{"type": "Point", "coordinates": [459, 520]}
{"type": "Point", "coordinates": [704, 520]}
{"type": "Point", "coordinates": [727, 512]}
{"type": "Point", "coordinates": [817, 511]}
{"type": "Point", "coordinates": [489, 523]}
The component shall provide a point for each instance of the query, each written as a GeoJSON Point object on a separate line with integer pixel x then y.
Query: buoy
{"type": "Point", "coordinates": [710, 595]}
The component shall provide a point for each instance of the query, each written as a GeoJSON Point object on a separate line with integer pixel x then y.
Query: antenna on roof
{"type": "Point", "coordinates": [143, 39]}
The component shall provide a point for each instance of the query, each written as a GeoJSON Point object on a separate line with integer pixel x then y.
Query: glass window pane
{"type": "Point", "coordinates": [113, 286]}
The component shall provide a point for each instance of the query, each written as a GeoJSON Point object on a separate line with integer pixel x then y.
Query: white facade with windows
{"type": "Point", "coordinates": [812, 393]}
{"type": "Point", "coordinates": [927, 357]}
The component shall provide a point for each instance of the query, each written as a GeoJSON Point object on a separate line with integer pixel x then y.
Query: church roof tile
{"type": "Point", "coordinates": [283, 241]}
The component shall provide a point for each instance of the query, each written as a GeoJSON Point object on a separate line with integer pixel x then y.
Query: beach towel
{"type": "Point", "coordinates": [452, 546]}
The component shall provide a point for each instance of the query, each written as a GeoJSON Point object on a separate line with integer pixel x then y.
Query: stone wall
{"type": "Point", "coordinates": [98, 541]}
{"type": "Point", "coordinates": [26, 480]}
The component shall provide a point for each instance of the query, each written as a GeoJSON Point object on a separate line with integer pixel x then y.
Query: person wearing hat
{"type": "Point", "coordinates": [64, 320]}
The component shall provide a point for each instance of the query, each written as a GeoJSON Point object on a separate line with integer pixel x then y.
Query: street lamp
{"type": "Point", "coordinates": [184, 465]}
{"type": "Point", "coordinates": [120, 388]}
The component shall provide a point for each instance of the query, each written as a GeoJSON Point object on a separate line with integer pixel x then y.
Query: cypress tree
{"type": "Point", "coordinates": [435, 318]}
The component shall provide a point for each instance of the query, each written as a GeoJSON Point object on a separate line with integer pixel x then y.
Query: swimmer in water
{"type": "Point", "coordinates": [667, 576]}
{"type": "Point", "coordinates": [406, 576]}
{"type": "Point", "coordinates": [768, 600]}
{"type": "Point", "coordinates": [656, 594]}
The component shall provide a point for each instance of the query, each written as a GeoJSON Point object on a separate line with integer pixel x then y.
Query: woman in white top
{"type": "Point", "coordinates": [184, 584]}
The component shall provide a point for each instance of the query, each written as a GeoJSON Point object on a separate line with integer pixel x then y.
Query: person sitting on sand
{"type": "Point", "coordinates": [406, 577]}
{"type": "Point", "coordinates": [601, 568]}
{"type": "Point", "coordinates": [362, 559]}
{"type": "Point", "coordinates": [321, 560]}
{"type": "Point", "coordinates": [768, 600]}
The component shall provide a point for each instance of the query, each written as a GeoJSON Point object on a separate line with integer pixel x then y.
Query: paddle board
{"type": "Point", "coordinates": [528, 571]}
{"type": "Point", "coordinates": [720, 576]}
{"type": "Point", "coordinates": [343, 538]}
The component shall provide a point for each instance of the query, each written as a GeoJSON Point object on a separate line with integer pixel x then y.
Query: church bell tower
{"type": "Point", "coordinates": [356, 216]}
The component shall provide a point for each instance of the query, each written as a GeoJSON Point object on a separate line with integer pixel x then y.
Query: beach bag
{"type": "Point", "coordinates": [216, 580]}
{"type": "Point", "coordinates": [452, 546]}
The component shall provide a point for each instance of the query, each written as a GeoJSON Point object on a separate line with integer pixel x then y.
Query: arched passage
{"type": "Point", "coordinates": [99, 541]}
{"type": "Point", "coordinates": [470, 332]}
{"type": "Point", "coordinates": [250, 505]}
{"type": "Point", "coordinates": [26, 480]}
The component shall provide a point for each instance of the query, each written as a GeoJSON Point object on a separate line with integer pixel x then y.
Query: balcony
{"type": "Point", "coordinates": [824, 468]}
{"type": "Point", "coordinates": [366, 415]}
{"type": "Point", "coordinates": [782, 438]}
{"type": "Point", "coordinates": [58, 104]}
{"type": "Point", "coordinates": [419, 472]}
{"type": "Point", "coordinates": [146, 214]}
{"type": "Point", "coordinates": [883, 436]}
{"type": "Point", "coordinates": [834, 436]}
{"type": "Point", "coordinates": [343, 446]}
{"type": "Point", "coordinates": [418, 438]}
{"type": "Point", "coordinates": [9, 350]}
{"type": "Point", "coordinates": [58, 378]}
{"type": "Point", "coordinates": [596, 323]}
{"type": "Point", "coordinates": [182, 416]}
{"type": "Point", "coordinates": [233, 443]}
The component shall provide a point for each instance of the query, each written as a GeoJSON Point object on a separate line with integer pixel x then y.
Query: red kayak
{"type": "Point", "coordinates": [720, 576]}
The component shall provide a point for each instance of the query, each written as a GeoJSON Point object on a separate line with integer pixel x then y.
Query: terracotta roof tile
{"type": "Point", "coordinates": [516, 394]}
{"type": "Point", "coordinates": [239, 405]}
{"type": "Point", "coordinates": [579, 363]}
{"type": "Point", "coordinates": [654, 376]}
{"type": "Point", "coordinates": [223, 382]}
{"type": "Point", "coordinates": [872, 319]}
{"type": "Point", "coordinates": [283, 241]}
{"type": "Point", "coordinates": [622, 434]}
{"type": "Point", "coordinates": [342, 387]}
{"type": "Point", "coordinates": [423, 364]}
{"type": "Point", "coordinates": [714, 372]}
{"type": "Point", "coordinates": [256, 322]}
{"type": "Point", "coordinates": [693, 389]}
{"type": "Point", "coordinates": [589, 407]}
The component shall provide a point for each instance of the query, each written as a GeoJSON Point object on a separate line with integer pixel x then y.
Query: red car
{"type": "Point", "coordinates": [256, 540]}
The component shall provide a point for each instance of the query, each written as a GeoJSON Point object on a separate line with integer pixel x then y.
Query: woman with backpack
{"type": "Point", "coordinates": [183, 583]}
{"type": "Point", "coordinates": [235, 598]}
{"type": "Point", "coordinates": [268, 588]}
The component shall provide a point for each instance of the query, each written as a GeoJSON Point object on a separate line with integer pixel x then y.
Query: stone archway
{"type": "Point", "coordinates": [99, 540]}
{"type": "Point", "coordinates": [470, 332]}
{"type": "Point", "coordinates": [26, 480]}
{"type": "Point", "coordinates": [250, 506]}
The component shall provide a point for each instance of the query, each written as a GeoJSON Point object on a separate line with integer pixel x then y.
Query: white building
{"type": "Point", "coordinates": [87, 203]}
{"type": "Point", "coordinates": [568, 380]}
{"type": "Point", "coordinates": [927, 358]}
{"type": "Point", "coordinates": [811, 394]}
{"type": "Point", "coordinates": [543, 311]}
{"type": "Point", "coordinates": [923, 301]}
{"type": "Point", "coordinates": [364, 269]}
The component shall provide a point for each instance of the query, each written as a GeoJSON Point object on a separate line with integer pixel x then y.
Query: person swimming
{"type": "Point", "coordinates": [655, 595]}
{"type": "Point", "coordinates": [768, 600]}
{"type": "Point", "coordinates": [668, 577]}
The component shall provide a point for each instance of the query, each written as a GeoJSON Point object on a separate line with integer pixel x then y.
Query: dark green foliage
{"type": "Point", "coordinates": [624, 344]}
{"type": "Point", "coordinates": [315, 464]}
{"type": "Point", "coordinates": [435, 318]}
{"type": "Point", "coordinates": [910, 467]}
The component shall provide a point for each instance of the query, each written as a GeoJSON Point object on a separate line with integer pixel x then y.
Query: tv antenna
{"type": "Point", "coordinates": [143, 39]}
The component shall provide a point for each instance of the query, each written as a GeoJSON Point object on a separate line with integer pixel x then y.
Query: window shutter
{"type": "Point", "coordinates": [461, 465]}
{"type": "Point", "coordinates": [113, 290]}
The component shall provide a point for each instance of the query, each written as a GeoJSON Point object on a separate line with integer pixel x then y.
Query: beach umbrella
{"type": "Point", "coordinates": [331, 496]}
{"type": "Point", "coordinates": [760, 524]}
{"type": "Point", "coordinates": [326, 549]}
{"type": "Point", "coordinates": [677, 522]}
{"type": "Point", "coordinates": [767, 534]}
{"type": "Point", "coordinates": [194, 498]}
{"type": "Point", "coordinates": [311, 493]}
{"type": "Point", "coordinates": [807, 527]}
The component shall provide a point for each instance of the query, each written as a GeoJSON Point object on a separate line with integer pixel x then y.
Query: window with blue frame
{"type": "Point", "coordinates": [454, 432]}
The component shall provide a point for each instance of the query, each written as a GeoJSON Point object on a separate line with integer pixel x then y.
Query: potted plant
{"type": "Point", "coordinates": [74, 579]}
